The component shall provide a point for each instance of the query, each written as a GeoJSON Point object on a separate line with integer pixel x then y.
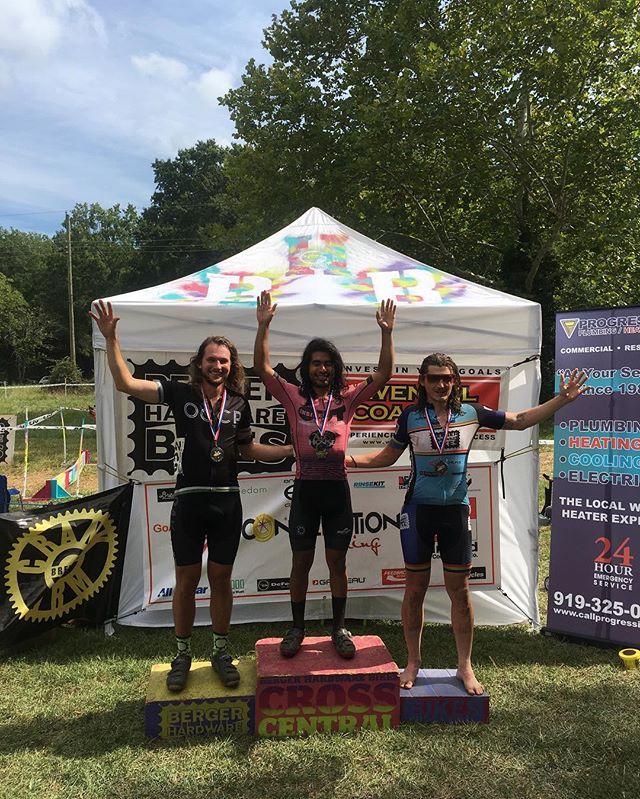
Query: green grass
{"type": "Point", "coordinates": [40, 399]}
{"type": "Point", "coordinates": [563, 724]}
{"type": "Point", "coordinates": [563, 719]}
{"type": "Point", "coordinates": [46, 448]}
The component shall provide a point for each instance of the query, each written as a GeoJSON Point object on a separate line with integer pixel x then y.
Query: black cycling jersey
{"type": "Point", "coordinates": [193, 464]}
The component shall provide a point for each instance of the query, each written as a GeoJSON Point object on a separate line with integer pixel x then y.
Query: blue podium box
{"type": "Point", "coordinates": [438, 696]}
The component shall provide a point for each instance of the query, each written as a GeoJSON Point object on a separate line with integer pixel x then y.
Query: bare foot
{"type": "Point", "coordinates": [408, 676]}
{"type": "Point", "coordinates": [468, 679]}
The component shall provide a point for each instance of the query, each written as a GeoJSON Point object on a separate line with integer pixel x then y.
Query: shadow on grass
{"type": "Point", "coordinates": [96, 733]}
{"type": "Point", "coordinates": [571, 735]}
{"type": "Point", "coordinates": [559, 740]}
{"type": "Point", "coordinates": [84, 735]}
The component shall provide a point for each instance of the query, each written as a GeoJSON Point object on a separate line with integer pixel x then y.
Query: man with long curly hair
{"type": "Point", "coordinates": [320, 412]}
{"type": "Point", "coordinates": [213, 424]}
{"type": "Point", "coordinates": [439, 431]}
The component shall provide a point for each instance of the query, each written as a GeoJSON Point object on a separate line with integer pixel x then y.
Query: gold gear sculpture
{"type": "Point", "coordinates": [73, 553]}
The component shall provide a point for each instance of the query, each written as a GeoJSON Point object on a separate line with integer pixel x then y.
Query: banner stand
{"type": "Point", "coordinates": [594, 584]}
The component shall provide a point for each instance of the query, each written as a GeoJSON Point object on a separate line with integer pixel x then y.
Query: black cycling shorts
{"type": "Point", "coordinates": [214, 516]}
{"type": "Point", "coordinates": [315, 502]}
{"type": "Point", "coordinates": [421, 524]}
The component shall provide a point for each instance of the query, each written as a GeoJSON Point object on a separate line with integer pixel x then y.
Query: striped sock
{"type": "Point", "coordinates": [183, 645]}
{"type": "Point", "coordinates": [219, 641]}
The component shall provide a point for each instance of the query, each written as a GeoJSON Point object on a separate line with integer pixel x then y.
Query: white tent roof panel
{"type": "Point", "coordinates": [316, 268]}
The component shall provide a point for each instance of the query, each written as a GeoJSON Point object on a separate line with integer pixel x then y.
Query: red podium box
{"type": "Point", "coordinates": [439, 696]}
{"type": "Point", "coordinates": [318, 691]}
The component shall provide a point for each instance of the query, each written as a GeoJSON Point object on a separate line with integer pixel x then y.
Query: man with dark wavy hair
{"type": "Point", "coordinates": [320, 412]}
{"type": "Point", "coordinates": [439, 431]}
{"type": "Point", "coordinates": [213, 424]}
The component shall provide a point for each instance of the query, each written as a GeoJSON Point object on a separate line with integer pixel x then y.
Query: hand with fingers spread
{"type": "Point", "coordinates": [574, 386]}
{"type": "Point", "coordinates": [265, 310]}
{"type": "Point", "coordinates": [105, 318]}
{"type": "Point", "coordinates": [386, 315]}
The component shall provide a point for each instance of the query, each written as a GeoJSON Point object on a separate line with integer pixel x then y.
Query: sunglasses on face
{"type": "Point", "coordinates": [433, 379]}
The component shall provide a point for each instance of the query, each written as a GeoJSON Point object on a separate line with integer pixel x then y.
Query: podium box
{"type": "Point", "coordinates": [438, 696]}
{"type": "Point", "coordinates": [318, 691]}
{"type": "Point", "coordinates": [204, 708]}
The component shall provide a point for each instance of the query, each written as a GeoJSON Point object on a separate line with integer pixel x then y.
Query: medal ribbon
{"type": "Point", "coordinates": [439, 447]}
{"type": "Point", "coordinates": [215, 433]}
{"type": "Point", "coordinates": [322, 426]}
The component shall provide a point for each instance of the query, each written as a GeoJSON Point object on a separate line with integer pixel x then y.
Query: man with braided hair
{"type": "Point", "coordinates": [439, 431]}
{"type": "Point", "coordinates": [320, 412]}
{"type": "Point", "coordinates": [213, 425]}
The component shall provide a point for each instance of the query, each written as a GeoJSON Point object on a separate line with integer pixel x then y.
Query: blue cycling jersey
{"type": "Point", "coordinates": [440, 478]}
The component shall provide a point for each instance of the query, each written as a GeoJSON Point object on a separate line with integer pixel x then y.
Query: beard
{"type": "Point", "coordinates": [214, 380]}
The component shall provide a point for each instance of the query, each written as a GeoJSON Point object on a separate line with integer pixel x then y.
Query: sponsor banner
{"type": "Point", "coordinates": [152, 434]}
{"type": "Point", "coordinates": [63, 562]}
{"type": "Point", "coordinates": [7, 439]}
{"type": "Point", "coordinates": [264, 556]}
{"type": "Point", "coordinates": [594, 588]}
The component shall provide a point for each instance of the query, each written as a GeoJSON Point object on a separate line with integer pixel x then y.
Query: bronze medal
{"type": "Point", "coordinates": [217, 454]}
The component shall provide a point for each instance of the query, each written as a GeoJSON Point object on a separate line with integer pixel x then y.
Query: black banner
{"type": "Point", "coordinates": [4, 438]}
{"type": "Point", "coordinates": [63, 562]}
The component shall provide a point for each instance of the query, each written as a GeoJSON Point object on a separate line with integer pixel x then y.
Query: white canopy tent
{"type": "Point", "coordinates": [327, 280]}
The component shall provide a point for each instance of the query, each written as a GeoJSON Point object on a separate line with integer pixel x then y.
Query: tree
{"type": "Point", "coordinates": [179, 230]}
{"type": "Point", "coordinates": [104, 257]}
{"type": "Point", "coordinates": [24, 258]}
{"type": "Point", "coordinates": [492, 139]}
{"type": "Point", "coordinates": [24, 332]}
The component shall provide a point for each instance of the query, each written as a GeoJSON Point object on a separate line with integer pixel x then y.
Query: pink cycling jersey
{"type": "Point", "coordinates": [304, 427]}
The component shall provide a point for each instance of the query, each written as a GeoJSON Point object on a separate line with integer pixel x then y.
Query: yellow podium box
{"type": "Point", "coordinates": [205, 707]}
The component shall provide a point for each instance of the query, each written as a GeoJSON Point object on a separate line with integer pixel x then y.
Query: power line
{"type": "Point", "coordinates": [159, 209]}
{"type": "Point", "coordinates": [34, 213]}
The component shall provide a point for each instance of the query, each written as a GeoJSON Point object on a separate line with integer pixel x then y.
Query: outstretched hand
{"type": "Point", "coordinates": [105, 318]}
{"type": "Point", "coordinates": [574, 386]}
{"type": "Point", "coordinates": [264, 309]}
{"type": "Point", "coordinates": [386, 315]}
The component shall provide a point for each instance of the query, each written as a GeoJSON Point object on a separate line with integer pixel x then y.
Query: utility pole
{"type": "Point", "coordinates": [72, 327]}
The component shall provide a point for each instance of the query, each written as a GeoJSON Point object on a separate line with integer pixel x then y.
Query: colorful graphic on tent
{"type": "Point", "coordinates": [303, 273]}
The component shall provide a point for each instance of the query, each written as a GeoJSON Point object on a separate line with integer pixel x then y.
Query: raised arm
{"type": "Point", "coordinates": [569, 391]}
{"type": "Point", "coordinates": [107, 322]}
{"type": "Point", "coordinates": [379, 457]}
{"type": "Point", "coordinates": [385, 317]}
{"type": "Point", "coordinates": [264, 313]}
